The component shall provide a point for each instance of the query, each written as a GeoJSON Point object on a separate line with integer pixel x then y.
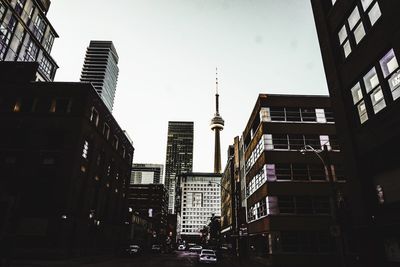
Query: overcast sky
{"type": "Point", "coordinates": [168, 51]}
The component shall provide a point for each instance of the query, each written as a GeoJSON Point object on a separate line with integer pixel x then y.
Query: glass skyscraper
{"type": "Point", "coordinates": [100, 68]}
{"type": "Point", "coordinates": [179, 156]}
{"type": "Point", "coordinates": [27, 35]}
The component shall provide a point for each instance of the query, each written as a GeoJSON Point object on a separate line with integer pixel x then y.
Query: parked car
{"type": "Point", "coordinates": [181, 247]}
{"type": "Point", "coordinates": [196, 249]}
{"type": "Point", "coordinates": [156, 248]}
{"type": "Point", "coordinates": [133, 250]}
{"type": "Point", "coordinates": [207, 256]}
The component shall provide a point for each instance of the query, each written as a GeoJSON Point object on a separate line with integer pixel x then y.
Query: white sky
{"type": "Point", "coordinates": [168, 52]}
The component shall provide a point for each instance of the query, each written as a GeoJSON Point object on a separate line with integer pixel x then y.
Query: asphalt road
{"type": "Point", "coordinates": [175, 259]}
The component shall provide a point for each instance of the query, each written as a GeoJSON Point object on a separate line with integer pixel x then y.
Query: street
{"type": "Point", "coordinates": [175, 259]}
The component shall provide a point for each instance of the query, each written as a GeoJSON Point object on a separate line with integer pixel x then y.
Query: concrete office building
{"type": "Point", "coordinates": [179, 158]}
{"type": "Point", "coordinates": [27, 35]}
{"type": "Point", "coordinates": [198, 198]}
{"type": "Point", "coordinates": [360, 46]}
{"type": "Point", "coordinates": [145, 173]}
{"type": "Point", "coordinates": [291, 206]}
{"type": "Point", "coordinates": [101, 69]}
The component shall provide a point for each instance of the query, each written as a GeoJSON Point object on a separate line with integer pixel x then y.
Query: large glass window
{"type": "Point", "coordinates": [49, 42]}
{"type": "Point", "coordinates": [296, 141]}
{"type": "Point", "coordinates": [39, 28]}
{"type": "Point", "coordinates": [283, 171]}
{"type": "Point", "coordinates": [19, 6]}
{"type": "Point", "coordinates": [277, 114]}
{"type": "Point", "coordinates": [374, 14]}
{"type": "Point", "coordinates": [293, 114]}
{"type": "Point", "coordinates": [6, 31]}
{"type": "Point", "coordinates": [280, 141]}
{"type": "Point", "coordinates": [344, 41]}
{"type": "Point", "coordinates": [308, 114]}
{"type": "Point", "coordinates": [47, 67]}
{"type": "Point", "coordinates": [353, 30]}
{"type": "Point", "coordinates": [300, 171]}
{"type": "Point", "coordinates": [390, 68]}
{"type": "Point", "coordinates": [2, 11]}
{"type": "Point", "coordinates": [31, 51]}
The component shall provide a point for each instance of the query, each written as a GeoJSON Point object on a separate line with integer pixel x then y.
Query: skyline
{"type": "Point", "coordinates": [168, 55]}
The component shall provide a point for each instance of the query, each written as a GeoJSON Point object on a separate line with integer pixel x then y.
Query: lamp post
{"type": "Point", "coordinates": [335, 228]}
{"type": "Point", "coordinates": [235, 202]}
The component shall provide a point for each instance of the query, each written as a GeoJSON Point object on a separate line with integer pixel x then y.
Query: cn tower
{"type": "Point", "coordinates": [217, 125]}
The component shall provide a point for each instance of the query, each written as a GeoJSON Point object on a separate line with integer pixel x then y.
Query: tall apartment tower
{"type": "Point", "coordinates": [217, 125]}
{"type": "Point", "coordinates": [360, 47]}
{"type": "Point", "coordinates": [179, 157]}
{"type": "Point", "coordinates": [100, 68]}
{"type": "Point", "coordinates": [145, 173]}
{"type": "Point", "coordinates": [27, 35]}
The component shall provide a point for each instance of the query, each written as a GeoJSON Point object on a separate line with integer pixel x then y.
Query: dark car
{"type": "Point", "coordinates": [156, 248]}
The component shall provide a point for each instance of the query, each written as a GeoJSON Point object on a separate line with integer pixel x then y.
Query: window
{"type": "Point", "coordinates": [277, 114]}
{"type": "Point", "coordinates": [39, 28]}
{"type": "Point", "coordinates": [31, 51]}
{"type": "Point", "coordinates": [296, 141]}
{"type": "Point", "coordinates": [300, 171]}
{"type": "Point", "coordinates": [312, 140]}
{"type": "Point", "coordinates": [286, 204]}
{"type": "Point", "coordinates": [374, 14]}
{"type": "Point", "coordinates": [283, 171]}
{"type": "Point", "coordinates": [390, 68]}
{"type": "Point", "coordinates": [329, 115]}
{"type": "Point", "coordinates": [6, 31]}
{"type": "Point", "coordinates": [49, 42]}
{"type": "Point", "coordinates": [19, 6]}
{"type": "Point", "coordinates": [62, 105]}
{"type": "Point", "coordinates": [85, 149]}
{"type": "Point", "coordinates": [320, 115]}
{"type": "Point", "coordinates": [106, 131]}
{"type": "Point", "coordinates": [308, 114]}
{"type": "Point", "coordinates": [353, 31]}
{"type": "Point", "coordinates": [304, 205]}
{"type": "Point", "coordinates": [2, 11]}
{"type": "Point", "coordinates": [46, 66]}
{"type": "Point", "coordinates": [115, 142]}
{"type": "Point", "coordinates": [271, 176]}
{"type": "Point", "coordinates": [293, 114]}
{"type": "Point", "coordinates": [321, 205]}
{"type": "Point", "coordinates": [317, 172]}
{"type": "Point", "coordinates": [94, 116]}
{"type": "Point", "coordinates": [344, 41]}
{"type": "Point", "coordinates": [372, 87]}
{"type": "Point", "coordinates": [17, 106]}
{"type": "Point", "coordinates": [280, 141]}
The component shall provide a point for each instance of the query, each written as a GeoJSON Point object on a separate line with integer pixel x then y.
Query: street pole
{"type": "Point", "coordinates": [335, 228]}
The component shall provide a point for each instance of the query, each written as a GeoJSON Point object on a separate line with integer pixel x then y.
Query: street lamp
{"type": "Point", "coordinates": [235, 203]}
{"type": "Point", "coordinates": [322, 154]}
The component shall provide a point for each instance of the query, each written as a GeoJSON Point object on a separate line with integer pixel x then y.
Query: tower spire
{"type": "Point", "coordinates": [217, 125]}
{"type": "Point", "coordinates": [216, 93]}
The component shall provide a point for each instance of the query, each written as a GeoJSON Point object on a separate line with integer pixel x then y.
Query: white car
{"type": "Point", "coordinates": [207, 256]}
{"type": "Point", "coordinates": [196, 249]}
